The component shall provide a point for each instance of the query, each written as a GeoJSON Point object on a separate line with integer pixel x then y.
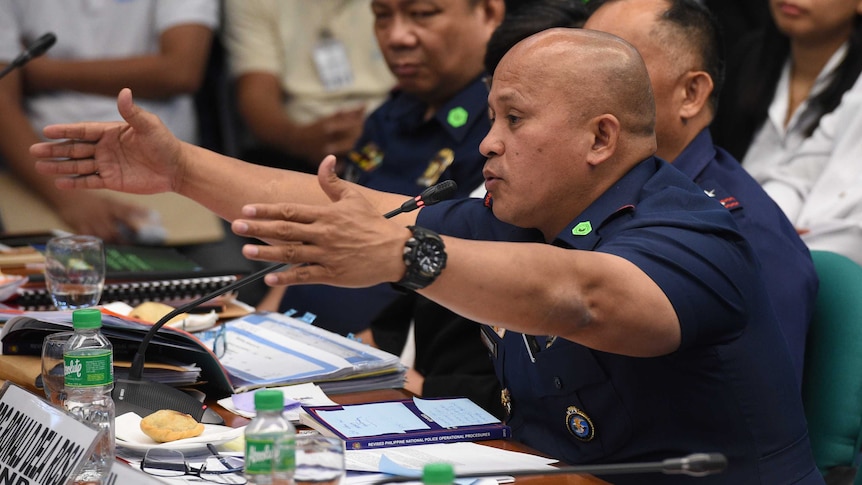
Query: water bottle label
{"type": "Point", "coordinates": [286, 455]}
{"type": "Point", "coordinates": [88, 370]}
{"type": "Point", "coordinates": [258, 455]}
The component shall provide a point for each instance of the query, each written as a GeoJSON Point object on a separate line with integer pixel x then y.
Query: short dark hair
{"type": "Point", "coordinates": [528, 18]}
{"type": "Point", "coordinates": [701, 30]}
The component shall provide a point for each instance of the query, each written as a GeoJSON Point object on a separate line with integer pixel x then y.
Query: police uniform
{"type": "Point", "coordinates": [448, 350]}
{"type": "Point", "coordinates": [787, 268]}
{"type": "Point", "coordinates": [402, 152]}
{"type": "Point", "coordinates": [719, 392]}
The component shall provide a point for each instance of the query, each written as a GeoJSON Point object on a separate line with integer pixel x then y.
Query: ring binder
{"type": "Point", "coordinates": [133, 292]}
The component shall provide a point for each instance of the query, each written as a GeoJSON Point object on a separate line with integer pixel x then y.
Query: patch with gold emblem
{"type": "Point", "coordinates": [436, 167]}
{"type": "Point", "coordinates": [506, 400]}
{"type": "Point", "coordinates": [367, 158]}
{"type": "Point", "coordinates": [579, 424]}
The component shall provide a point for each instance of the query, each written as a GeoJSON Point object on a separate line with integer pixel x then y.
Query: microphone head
{"type": "Point", "coordinates": [36, 49]}
{"type": "Point", "coordinates": [42, 44]}
{"type": "Point", "coordinates": [697, 464]}
{"type": "Point", "coordinates": [442, 191]}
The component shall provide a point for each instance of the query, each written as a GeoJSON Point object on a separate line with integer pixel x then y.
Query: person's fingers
{"type": "Point", "coordinates": [127, 107]}
{"type": "Point", "coordinates": [335, 188]}
{"type": "Point", "coordinates": [269, 217]}
{"type": "Point", "coordinates": [64, 149]}
{"type": "Point", "coordinates": [86, 131]}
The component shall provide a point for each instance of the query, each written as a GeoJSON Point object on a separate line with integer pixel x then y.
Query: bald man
{"type": "Point", "coordinates": [625, 312]}
{"type": "Point", "coordinates": [679, 42]}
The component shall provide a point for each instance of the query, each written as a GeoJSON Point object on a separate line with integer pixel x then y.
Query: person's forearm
{"type": "Point", "coordinates": [177, 69]}
{"type": "Point", "coordinates": [224, 184]}
{"type": "Point", "coordinates": [260, 102]}
{"type": "Point", "coordinates": [17, 137]}
{"type": "Point", "coordinates": [502, 284]}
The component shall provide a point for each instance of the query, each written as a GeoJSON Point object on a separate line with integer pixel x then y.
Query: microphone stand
{"type": "Point", "coordinates": [145, 397]}
{"type": "Point", "coordinates": [696, 464]}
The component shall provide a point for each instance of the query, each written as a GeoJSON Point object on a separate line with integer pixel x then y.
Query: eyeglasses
{"type": "Point", "coordinates": [172, 463]}
{"type": "Point", "coordinates": [219, 338]}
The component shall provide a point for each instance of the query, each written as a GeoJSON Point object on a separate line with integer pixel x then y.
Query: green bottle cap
{"type": "Point", "coordinates": [268, 400]}
{"type": "Point", "coordinates": [86, 318]}
{"type": "Point", "coordinates": [438, 474]}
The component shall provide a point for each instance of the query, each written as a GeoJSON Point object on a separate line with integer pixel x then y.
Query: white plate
{"type": "Point", "coordinates": [9, 285]}
{"type": "Point", "coordinates": [129, 435]}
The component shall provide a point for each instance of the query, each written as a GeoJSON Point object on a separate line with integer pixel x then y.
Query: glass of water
{"type": "Point", "coordinates": [319, 460]}
{"type": "Point", "coordinates": [75, 271]}
{"type": "Point", "coordinates": [52, 367]}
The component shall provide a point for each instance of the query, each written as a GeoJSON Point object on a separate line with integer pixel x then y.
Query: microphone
{"type": "Point", "coordinates": [430, 196]}
{"type": "Point", "coordinates": [696, 465]}
{"type": "Point", "coordinates": [36, 49]}
{"type": "Point", "coordinates": [145, 397]}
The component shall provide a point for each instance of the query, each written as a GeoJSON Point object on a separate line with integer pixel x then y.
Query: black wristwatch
{"type": "Point", "coordinates": [425, 257]}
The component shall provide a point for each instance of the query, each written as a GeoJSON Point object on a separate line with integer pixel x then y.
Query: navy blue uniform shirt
{"type": "Point", "coordinates": [787, 268]}
{"type": "Point", "coordinates": [402, 152]}
{"type": "Point", "coordinates": [719, 392]}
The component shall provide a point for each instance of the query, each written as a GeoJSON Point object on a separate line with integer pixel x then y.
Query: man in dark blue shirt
{"type": "Point", "coordinates": [630, 325]}
{"type": "Point", "coordinates": [679, 41]}
{"type": "Point", "coordinates": [428, 130]}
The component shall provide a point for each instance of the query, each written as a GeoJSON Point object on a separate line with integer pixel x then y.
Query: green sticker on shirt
{"type": "Point", "coordinates": [457, 117]}
{"type": "Point", "coordinates": [582, 229]}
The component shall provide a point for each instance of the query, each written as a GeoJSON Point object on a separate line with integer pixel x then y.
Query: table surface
{"type": "Point", "coordinates": [234, 420]}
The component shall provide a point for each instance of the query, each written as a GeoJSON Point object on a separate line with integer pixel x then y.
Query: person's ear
{"type": "Point", "coordinates": [696, 89]}
{"type": "Point", "coordinates": [605, 132]}
{"type": "Point", "coordinates": [495, 10]}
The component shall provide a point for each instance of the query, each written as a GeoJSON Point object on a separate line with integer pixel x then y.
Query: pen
{"type": "Point", "coordinates": [532, 346]}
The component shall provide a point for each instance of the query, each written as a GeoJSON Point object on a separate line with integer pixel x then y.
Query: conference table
{"type": "Point", "coordinates": [22, 371]}
{"type": "Point", "coordinates": [234, 420]}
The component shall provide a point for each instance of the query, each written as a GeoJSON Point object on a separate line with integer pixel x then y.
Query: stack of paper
{"type": "Point", "coordinates": [272, 349]}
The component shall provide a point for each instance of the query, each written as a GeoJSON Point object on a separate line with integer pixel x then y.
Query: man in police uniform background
{"type": "Point", "coordinates": [648, 305]}
{"type": "Point", "coordinates": [679, 41]}
{"type": "Point", "coordinates": [426, 132]}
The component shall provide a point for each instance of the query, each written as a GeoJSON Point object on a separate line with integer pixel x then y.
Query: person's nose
{"type": "Point", "coordinates": [401, 33]}
{"type": "Point", "coordinates": [491, 145]}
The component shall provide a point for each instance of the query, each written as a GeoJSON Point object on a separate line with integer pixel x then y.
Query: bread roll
{"type": "Point", "coordinates": [168, 425]}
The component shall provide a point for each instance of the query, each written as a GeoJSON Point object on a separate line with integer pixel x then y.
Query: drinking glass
{"type": "Point", "coordinates": [319, 459]}
{"type": "Point", "coordinates": [75, 271]}
{"type": "Point", "coordinates": [52, 367]}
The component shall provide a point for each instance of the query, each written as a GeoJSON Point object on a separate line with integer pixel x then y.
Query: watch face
{"type": "Point", "coordinates": [430, 257]}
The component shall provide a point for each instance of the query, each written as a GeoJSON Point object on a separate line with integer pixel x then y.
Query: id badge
{"type": "Point", "coordinates": [332, 63]}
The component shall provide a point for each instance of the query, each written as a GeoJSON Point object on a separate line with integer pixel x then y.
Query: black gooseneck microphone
{"type": "Point", "coordinates": [430, 196]}
{"type": "Point", "coordinates": [145, 397]}
{"type": "Point", "coordinates": [36, 49]}
{"type": "Point", "coordinates": [696, 465]}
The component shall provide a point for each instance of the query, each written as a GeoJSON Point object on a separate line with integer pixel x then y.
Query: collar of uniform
{"type": "Point", "coordinates": [410, 111]}
{"type": "Point", "coordinates": [696, 156]}
{"type": "Point", "coordinates": [617, 201]}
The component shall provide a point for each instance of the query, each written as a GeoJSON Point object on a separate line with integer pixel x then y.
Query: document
{"type": "Point", "coordinates": [465, 458]}
{"type": "Point", "coordinates": [272, 349]}
{"type": "Point", "coordinates": [405, 422]}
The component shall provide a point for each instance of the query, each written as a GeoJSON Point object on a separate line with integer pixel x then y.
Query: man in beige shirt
{"type": "Point", "coordinates": [306, 73]}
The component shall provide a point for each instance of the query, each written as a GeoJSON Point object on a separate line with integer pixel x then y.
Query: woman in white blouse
{"type": "Point", "coordinates": [792, 78]}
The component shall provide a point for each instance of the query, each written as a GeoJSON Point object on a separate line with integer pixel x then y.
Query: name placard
{"type": "Point", "coordinates": [39, 443]}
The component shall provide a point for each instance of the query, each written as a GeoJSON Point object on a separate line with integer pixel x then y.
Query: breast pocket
{"type": "Point", "coordinates": [576, 392]}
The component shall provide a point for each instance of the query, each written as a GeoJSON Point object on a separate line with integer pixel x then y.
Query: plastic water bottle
{"type": "Point", "coordinates": [88, 362]}
{"type": "Point", "coordinates": [269, 442]}
{"type": "Point", "coordinates": [438, 474]}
